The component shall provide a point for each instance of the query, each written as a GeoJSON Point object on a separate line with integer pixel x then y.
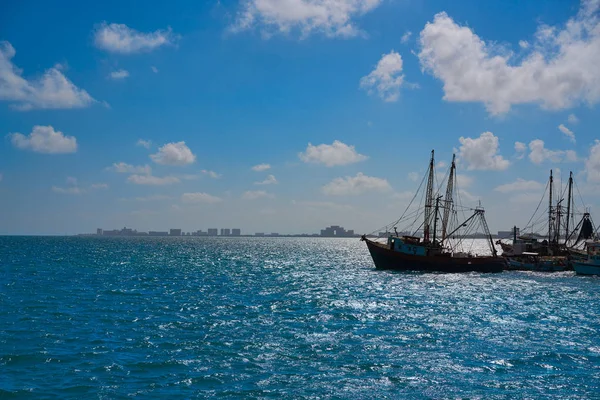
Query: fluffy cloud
{"type": "Point", "coordinates": [337, 153]}
{"type": "Point", "coordinates": [44, 139]}
{"type": "Point", "coordinates": [152, 180]}
{"type": "Point", "coordinates": [559, 71]}
{"type": "Point", "coordinates": [99, 186]}
{"type": "Point", "coordinates": [68, 190]}
{"type": "Point", "coordinates": [573, 119]}
{"type": "Point", "coordinates": [270, 180]}
{"type": "Point", "coordinates": [333, 18]}
{"type": "Point", "coordinates": [481, 153]}
{"type": "Point", "coordinates": [386, 78]}
{"type": "Point", "coordinates": [212, 174]}
{"type": "Point", "coordinates": [255, 194]}
{"type": "Point", "coordinates": [71, 188]}
{"type": "Point", "coordinates": [200, 198]}
{"type": "Point", "coordinates": [406, 37]}
{"type": "Point", "coordinates": [52, 90]}
{"type": "Point", "coordinates": [125, 168]}
{"type": "Point", "coordinates": [520, 185]}
{"type": "Point", "coordinates": [592, 163]}
{"type": "Point", "coordinates": [120, 74]}
{"type": "Point", "coordinates": [154, 69]}
{"type": "Point", "coordinates": [569, 133]}
{"type": "Point", "coordinates": [520, 148]}
{"type": "Point", "coordinates": [538, 153]}
{"type": "Point", "coordinates": [174, 154]}
{"type": "Point", "coordinates": [355, 185]}
{"type": "Point", "coordinates": [261, 167]}
{"type": "Point", "coordinates": [119, 38]}
{"type": "Point", "coordinates": [144, 143]}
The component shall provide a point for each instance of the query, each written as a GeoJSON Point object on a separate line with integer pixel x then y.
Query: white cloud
{"type": "Point", "coordinates": [144, 143]}
{"type": "Point", "coordinates": [524, 44]}
{"type": "Point", "coordinates": [538, 153]}
{"type": "Point", "coordinates": [120, 74]}
{"type": "Point", "coordinates": [174, 154]}
{"type": "Point", "coordinates": [261, 167]}
{"type": "Point", "coordinates": [337, 153]}
{"type": "Point", "coordinates": [50, 91]}
{"type": "Point", "coordinates": [270, 180]}
{"type": "Point", "coordinates": [569, 133]}
{"type": "Point", "coordinates": [119, 38]}
{"type": "Point", "coordinates": [68, 190]}
{"type": "Point", "coordinates": [525, 198]}
{"type": "Point", "coordinates": [154, 197]}
{"type": "Point", "coordinates": [592, 163]}
{"type": "Point", "coordinates": [355, 185]}
{"type": "Point", "coordinates": [520, 185]}
{"type": "Point", "coordinates": [333, 18]}
{"type": "Point", "coordinates": [464, 181]}
{"type": "Point", "coordinates": [212, 174]}
{"type": "Point", "coordinates": [406, 37]}
{"type": "Point", "coordinates": [125, 168]}
{"type": "Point", "coordinates": [256, 194]}
{"type": "Point", "coordinates": [386, 79]}
{"type": "Point", "coordinates": [406, 195]}
{"type": "Point", "coordinates": [559, 71]}
{"type": "Point", "coordinates": [72, 187]}
{"type": "Point", "coordinates": [573, 119]}
{"type": "Point", "coordinates": [520, 148]}
{"type": "Point", "coordinates": [99, 186]}
{"type": "Point", "coordinates": [413, 176]}
{"type": "Point", "coordinates": [481, 153]}
{"type": "Point", "coordinates": [200, 198]}
{"type": "Point", "coordinates": [44, 139]}
{"type": "Point", "coordinates": [154, 69]}
{"type": "Point", "coordinates": [152, 180]}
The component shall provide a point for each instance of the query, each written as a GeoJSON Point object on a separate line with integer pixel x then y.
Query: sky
{"type": "Point", "coordinates": [290, 115]}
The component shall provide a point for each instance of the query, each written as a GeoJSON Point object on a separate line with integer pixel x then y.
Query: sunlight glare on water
{"type": "Point", "coordinates": [282, 317]}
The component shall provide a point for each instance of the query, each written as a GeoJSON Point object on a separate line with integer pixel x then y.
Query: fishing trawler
{"type": "Point", "coordinates": [553, 253]}
{"type": "Point", "coordinates": [591, 266]}
{"type": "Point", "coordinates": [436, 251]}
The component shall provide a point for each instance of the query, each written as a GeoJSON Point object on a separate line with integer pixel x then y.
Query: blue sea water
{"type": "Point", "coordinates": [282, 318]}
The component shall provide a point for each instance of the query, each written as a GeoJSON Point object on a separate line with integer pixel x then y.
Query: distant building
{"type": "Point", "coordinates": [155, 233]}
{"type": "Point", "coordinates": [225, 232]}
{"type": "Point", "coordinates": [175, 232]}
{"type": "Point", "coordinates": [259, 234]}
{"type": "Point", "coordinates": [274, 234]}
{"type": "Point", "coordinates": [199, 233]}
{"type": "Point", "coordinates": [213, 231]}
{"type": "Point", "coordinates": [236, 232]}
{"type": "Point", "coordinates": [99, 231]}
{"type": "Point", "coordinates": [336, 231]}
{"type": "Point", "coordinates": [507, 234]}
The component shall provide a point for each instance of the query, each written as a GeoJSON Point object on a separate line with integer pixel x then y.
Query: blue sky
{"type": "Point", "coordinates": [152, 115]}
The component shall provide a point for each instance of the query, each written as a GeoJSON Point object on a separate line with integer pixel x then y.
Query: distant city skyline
{"type": "Point", "coordinates": [287, 116]}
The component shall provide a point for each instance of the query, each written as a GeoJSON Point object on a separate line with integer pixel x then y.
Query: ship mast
{"type": "Point", "coordinates": [550, 211]}
{"type": "Point", "coordinates": [428, 201]}
{"type": "Point", "coordinates": [569, 207]}
{"type": "Point", "coordinates": [448, 201]}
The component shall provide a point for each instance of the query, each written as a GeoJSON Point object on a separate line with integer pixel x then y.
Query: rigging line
{"type": "Point", "coordinates": [407, 207]}
{"type": "Point", "coordinates": [579, 193]}
{"type": "Point", "coordinates": [538, 206]}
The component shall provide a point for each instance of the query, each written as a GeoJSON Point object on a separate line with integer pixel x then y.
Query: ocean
{"type": "Point", "coordinates": [290, 318]}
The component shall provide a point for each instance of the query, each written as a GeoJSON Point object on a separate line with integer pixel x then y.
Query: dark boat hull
{"type": "Point", "coordinates": [384, 258]}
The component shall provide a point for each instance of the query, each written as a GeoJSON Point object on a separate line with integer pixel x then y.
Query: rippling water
{"type": "Point", "coordinates": [282, 318]}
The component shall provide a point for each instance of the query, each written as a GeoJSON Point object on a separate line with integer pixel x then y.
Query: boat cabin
{"type": "Point", "coordinates": [407, 245]}
{"type": "Point", "coordinates": [593, 250]}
